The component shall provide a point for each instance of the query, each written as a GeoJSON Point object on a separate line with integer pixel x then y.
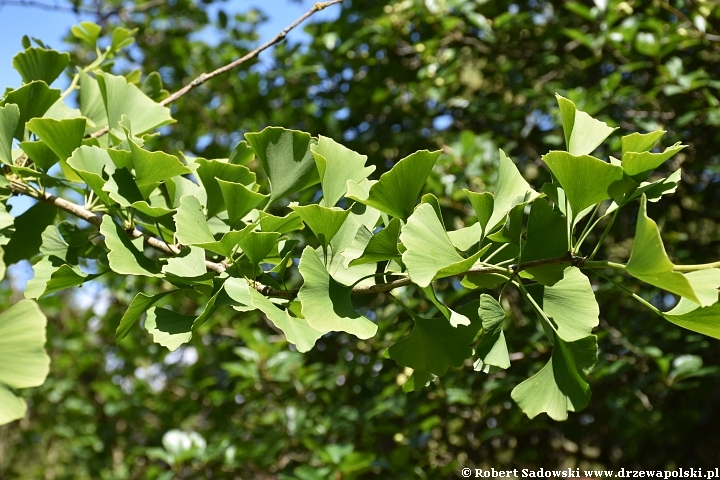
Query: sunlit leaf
{"type": "Point", "coordinates": [397, 191]}
{"type": "Point", "coordinates": [326, 304]}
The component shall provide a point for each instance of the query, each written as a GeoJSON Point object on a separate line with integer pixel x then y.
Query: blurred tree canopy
{"type": "Point", "coordinates": [386, 79]}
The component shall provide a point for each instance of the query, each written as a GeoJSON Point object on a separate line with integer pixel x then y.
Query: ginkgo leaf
{"type": "Point", "coordinates": [466, 237]}
{"type": "Point", "coordinates": [453, 317]}
{"type": "Point", "coordinates": [690, 315]}
{"type": "Point", "coordinates": [430, 254]}
{"type": "Point", "coordinates": [546, 238]}
{"type": "Point", "coordinates": [286, 158]}
{"type": "Point", "coordinates": [297, 330]}
{"type": "Point", "coordinates": [511, 189]}
{"type": "Point", "coordinates": [40, 64]}
{"type": "Point", "coordinates": [483, 204]}
{"type": "Point", "coordinates": [213, 171]}
{"type": "Point", "coordinates": [122, 98]}
{"type": "Point", "coordinates": [86, 31]}
{"type": "Point", "coordinates": [9, 118]}
{"type": "Point", "coordinates": [153, 168]}
{"type": "Point", "coordinates": [638, 165]}
{"type": "Point", "coordinates": [397, 191]}
{"type": "Point", "coordinates": [23, 361]}
{"type": "Point", "coordinates": [492, 350]}
{"type": "Point", "coordinates": [434, 345]}
{"type": "Point", "coordinates": [92, 106]}
{"type": "Point", "coordinates": [124, 256]}
{"type": "Point", "coordinates": [62, 137]}
{"type": "Point", "coordinates": [417, 381]}
{"type": "Point", "coordinates": [570, 304]}
{"type": "Point", "coordinates": [140, 303]}
{"type": "Point", "coordinates": [188, 264]}
{"type": "Point", "coordinates": [583, 134]}
{"type": "Point", "coordinates": [650, 263]}
{"type": "Point", "coordinates": [587, 180]}
{"type": "Point", "coordinates": [326, 304]}
{"type": "Point", "coordinates": [289, 223]}
{"type": "Point", "coordinates": [560, 386]}
{"type": "Point", "coordinates": [382, 246]}
{"type": "Point", "coordinates": [34, 99]}
{"type": "Point", "coordinates": [239, 200]}
{"type": "Point", "coordinates": [641, 142]}
{"type": "Point", "coordinates": [336, 165]}
{"type": "Point", "coordinates": [323, 221]}
{"type": "Point", "coordinates": [169, 329]}
{"type": "Point", "coordinates": [257, 245]}
{"type": "Point", "coordinates": [29, 227]}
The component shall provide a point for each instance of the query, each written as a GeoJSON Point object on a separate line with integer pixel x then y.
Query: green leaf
{"type": "Point", "coordinates": [139, 304]}
{"type": "Point", "coordinates": [121, 38]}
{"type": "Point", "coordinates": [323, 221]}
{"type": "Point", "coordinates": [58, 269]}
{"type": "Point", "coordinates": [511, 190]}
{"type": "Point", "coordinates": [560, 386]}
{"type": "Point", "coordinates": [125, 257]}
{"type": "Point", "coordinates": [464, 238]}
{"type": "Point", "coordinates": [492, 350]}
{"type": "Point", "coordinates": [397, 191]}
{"type": "Point", "coordinates": [34, 99]}
{"type": "Point", "coordinates": [434, 345]}
{"type": "Point", "coordinates": [40, 154]}
{"type": "Point", "coordinates": [210, 171]}
{"type": "Point", "coordinates": [123, 98]}
{"type": "Point", "coordinates": [91, 103]}
{"type": "Point", "coordinates": [192, 228]}
{"type": "Point", "coordinates": [641, 142]}
{"type": "Point", "coordinates": [9, 117]}
{"type": "Point", "coordinates": [453, 317]}
{"type": "Point", "coordinates": [27, 239]}
{"type": "Point", "coordinates": [650, 263]}
{"type": "Point", "coordinates": [586, 180]}
{"type": "Point", "coordinates": [326, 304]}
{"type": "Point", "coordinates": [286, 158]}
{"type": "Point", "coordinates": [483, 204]}
{"type": "Point", "coordinates": [62, 137]}
{"type": "Point", "coordinates": [638, 165]}
{"type": "Point", "coordinates": [338, 164]}
{"type": "Point", "coordinates": [188, 264]}
{"type": "Point", "coordinates": [546, 238]}
{"type": "Point", "coordinates": [512, 229]}
{"type": "Point", "coordinates": [382, 246]}
{"type": "Point", "coordinates": [23, 361]}
{"type": "Point", "coordinates": [417, 381]}
{"type": "Point", "coordinates": [40, 64]}
{"type": "Point", "coordinates": [690, 315]}
{"type": "Point", "coordinates": [296, 330]}
{"type": "Point", "coordinates": [239, 200]}
{"type": "Point", "coordinates": [94, 166]}
{"type": "Point", "coordinates": [168, 328]}
{"type": "Point", "coordinates": [241, 154]}
{"type": "Point", "coordinates": [570, 304]}
{"type": "Point", "coordinates": [430, 254]}
{"type": "Point", "coordinates": [583, 134]}
{"type": "Point", "coordinates": [153, 168]}
{"type": "Point", "coordinates": [88, 32]}
{"type": "Point", "coordinates": [257, 245]}
{"type": "Point", "coordinates": [289, 223]}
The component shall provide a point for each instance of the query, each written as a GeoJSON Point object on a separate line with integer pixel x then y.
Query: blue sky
{"type": "Point", "coordinates": [51, 26]}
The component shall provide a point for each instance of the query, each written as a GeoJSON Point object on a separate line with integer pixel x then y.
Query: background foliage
{"type": "Point", "coordinates": [386, 79]}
